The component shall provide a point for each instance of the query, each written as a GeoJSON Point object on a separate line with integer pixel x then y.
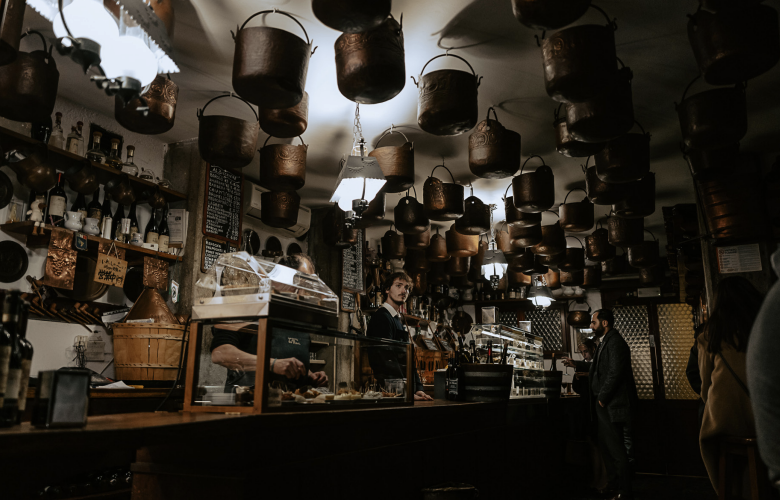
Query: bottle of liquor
{"type": "Point", "coordinates": [72, 143]}
{"type": "Point", "coordinates": [94, 209]}
{"type": "Point", "coordinates": [152, 233]}
{"type": "Point", "coordinates": [80, 205]}
{"type": "Point", "coordinates": [57, 138]}
{"type": "Point", "coordinates": [114, 159]}
{"type": "Point", "coordinates": [128, 166]}
{"type": "Point", "coordinates": [27, 354]}
{"type": "Point", "coordinates": [165, 233]}
{"type": "Point", "coordinates": [10, 409]}
{"type": "Point", "coordinates": [6, 343]}
{"type": "Point", "coordinates": [116, 228]}
{"type": "Point", "coordinates": [106, 208]}
{"type": "Point", "coordinates": [134, 228]}
{"type": "Point", "coordinates": [55, 211]}
{"type": "Point", "coordinates": [453, 376]}
{"type": "Point", "coordinates": [553, 364]}
{"type": "Point", "coordinates": [95, 153]}
{"type": "Point", "coordinates": [490, 352]}
{"type": "Point", "coordinates": [80, 132]}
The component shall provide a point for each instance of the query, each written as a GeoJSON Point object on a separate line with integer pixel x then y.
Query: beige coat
{"type": "Point", "coordinates": [727, 410]}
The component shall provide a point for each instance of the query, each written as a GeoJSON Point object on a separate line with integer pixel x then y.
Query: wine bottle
{"type": "Point", "coordinates": [27, 354]}
{"type": "Point", "coordinates": [116, 228]}
{"type": "Point", "coordinates": [94, 209]}
{"type": "Point", "coordinates": [165, 233]}
{"type": "Point", "coordinates": [6, 343]}
{"type": "Point", "coordinates": [106, 208]}
{"type": "Point", "coordinates": [10, 409]}
{"type": "Point", "coordinates": [452, 381]}
{"type": "Point", "coordinates": [57, 138]}
{"type": "Point", "coordinates": [55, 211]}
{"type": "Point", "coordinates": [133, 220]}
{"type": "Point", "coordinates": [95, 153]}
{"type": "Point", "coordinates": [152, 232]}
{"type": "Point", "coordinates": [114, 159]}
{"type": "Point", "coordinates": [80, 134]}
{"type": "Point", "coordinates": [490, 352]}
{"type": "Point", "coordinates": [80, 205]}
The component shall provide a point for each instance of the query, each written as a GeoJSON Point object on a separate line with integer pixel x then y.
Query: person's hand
{"type": "Point", "coordinates": [318, 379]}
{"type": "Point", "coordinates": [291, 368]}
{"type": "Point", "coordinates": [569, 362]}
{"type": "Point", "coordinates": [601, 404]}
{"type": "Point", "coordinates": [421, 396]}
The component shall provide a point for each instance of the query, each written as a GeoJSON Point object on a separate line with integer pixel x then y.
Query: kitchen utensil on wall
{"type": "Point", "coordinates": [574, 259]}
{"type": "Point", "coordinates": [161, 100]}
{"type": "Point", "coordinates": [614, 266]}
{"type": "Point", "coordinates": [476, 216]}
{"type": "Point", "coordinates": [409, 215]}
{"type": "Point", "coordinates": [645, 254]}
{"type": "Point", "coordinates": [600, 192]}
{"type": "Point", "coordinates": [732, 207]}
{"type": "Point", "coordinates": [393, 246]}
{"type": "Point", "coordinates": [283, 166]}
{"type": "Point", "coordinates": [605, 116]}
{"type": "Point", "coordinates": [375, 213]}
{"type": "Point", "coordinates": [81, 177]}
{"type": "Point", "coordinates": [11, 23]}
{"type": "Point", "coordinates": [549, 14]}
{"type": "Point", "coordinates": [553, 240]}
{"type": "Point", "coordinates": [504, 243]}
{"type": "Point", "coordinates": [150, 304]}
{"type": "Point", "coordinates": [640, 201]}
{"type": "Point", "coordinates": [523, 261]}
{"type": "Point", "coordinates": [442, 200]}
{"type": "Point", "coordinates": [156, 273]}
{"type": "Point", "coordinates": [651, 276]}
{"type": "Point", "coordinates": [494, 151]}
{"type": "Point", "coordinates": [624, 159]}
{"type": "Point", "coordinates": [13, 261]}
{"type": "Point", "coordinates": [396, 162]}
{"type": "Point", "coordinates": [417, 241]}
{"type": "Point", "coordinates": [84, 286]}
{"type": "Point", "coordinates": [133, 283]}
{"type": "Point", "coordinates": [591, 276]}
{"type": "Point", "coordinates": [279, 208]}
{"type": "Point", "coordinates": [33, 170]}
{"type": "Point", "coordinates": [270, 64]}
{"type": "Point", "coordinates": [227, 141]}
{"type": "Point", "coordinates": [447, 102]}
{"type": "Point", "coordinates": [713, 118]}
{"type": "Point", "coordinates": [351, 16]}
{"type": "Point", "coordinates": [458, 266]}
{"type": "Point", "coordinates": [625, 232]}
{"type": "Point", "coordinates": [576, 217]}
{"type": "Point", "coordinates": [578, 318]}
{"type": "Point", "coordinates": [437, 250]}
{"type": "Point", "coordinates": [597, 246]}
{"type": "Point", "coordinates": [29, 85]}
{"type": "Point", "coordinates": [516, 217]}
{"type": "Point", "coordinates": [286, 122]}
{"type": "Point", "coordinates": [370, 65]}
{"type": "Point", "coordinates": [120, 190]}
{"type": "Point", "coordinates": [567, 145]}
{"type": "Point", "coordinates": [534, 191]}
{"type": "Point", "coordinates": [475, 265]}
{"type": "Point", "coordinates": [524, 237]}
{"type": "Point", "coordinates": [60, 260]}
{"type": "Point", "coordinates": [572, 278]}
{"type": "Point", "coordinates": [552, 279]}
{"type": "Point", "coordinates": [461, 245]}
{"type": "Point", "coordinates": [551, 261]}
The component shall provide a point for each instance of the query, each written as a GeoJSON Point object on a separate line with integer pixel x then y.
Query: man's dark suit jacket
{"type": "Point", "coordinates": [385, 326]}
{"type": "Point", "coordinates": [612, 379]}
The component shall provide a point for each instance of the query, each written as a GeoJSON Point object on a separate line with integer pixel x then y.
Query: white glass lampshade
{"type": "Point", "coordinates": [130, 57]}
{"type": "Point", "coordinates": [494, 269]}
{"type": "Point", "coordinates": [495, 263]}
{"type": "Point", "coordinates": [540, 295]}
{"type": "Point", "coordinates": [358, 174]}
{"type": "Point", "coordinates": [88, 19]}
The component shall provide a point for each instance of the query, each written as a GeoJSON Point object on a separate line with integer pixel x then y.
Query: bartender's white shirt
{"type": "Point", "coordinates": [392, 310]}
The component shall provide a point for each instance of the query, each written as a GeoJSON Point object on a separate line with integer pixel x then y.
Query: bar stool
{"type": "Point", "coordinates": [746, 447]}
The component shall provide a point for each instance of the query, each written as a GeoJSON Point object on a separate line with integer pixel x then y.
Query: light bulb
{"type": "Point", "coordinates": [87, 19]}
{"type": "Point", "coordinates": [348, 190]}
{"type": "Point", "coordinates": [130, 57]}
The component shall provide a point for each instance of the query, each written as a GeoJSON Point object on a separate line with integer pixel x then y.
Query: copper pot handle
{"type": "Point", "coordinates": [585, 167]}
{"type": "Point", "coordinates": [494, 114]}
{"type": "Point", "coordinates": [575, 189]}
{"type": "Point", "coordinates": [276, 11]}
{"type": "Point", "coordinates": [229, 94]}
{"type": "Point", "coordinates": [557, 112]}
{"type": "Point", "coordinates": [580, 301]}
{"type": "Point", "coordinates": [35, 32]}
{"type": "Point", "coordinates": [651, 234]}
{"type": "Point", "coordinates": [299, 137]}
{"type": "Point", "coordinates": [391, 131]}
{"type": "Point", "coordinates": [506, 191]}
{"type": "Point", "coordinates": [445, 168]}
{"type": "Point", "coordinates": [526, 161]}
{"type": "Point", "coordinates": [450, 55]}
{"type": "Point", "coordinates": [610, 22]}
{"type": "Point", "coordinates": [415, 192]}
{"type": "Point", "coordinates": [578, 240]}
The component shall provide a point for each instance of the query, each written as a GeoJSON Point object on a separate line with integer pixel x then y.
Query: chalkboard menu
{"type": "Point", "coordinates": [352, 266]}
{"type": "Point", "coordinates": [222, 207]}
{"type": "Point", "coordinates": [212, 249]}
{"type": "Point", "coordinates": [348, 302]}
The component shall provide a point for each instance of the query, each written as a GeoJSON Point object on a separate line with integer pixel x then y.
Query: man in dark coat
{"type": "Point", "coordinates": [613, 387]}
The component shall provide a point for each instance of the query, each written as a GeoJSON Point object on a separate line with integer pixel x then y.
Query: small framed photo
{"type": "Point", "coordinates": [15, 211]}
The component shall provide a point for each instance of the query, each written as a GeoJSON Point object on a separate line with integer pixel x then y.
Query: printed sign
{"type": "Point", "coordinates": [110, 270]}
{"type": "Point", "coordinates": [739, 259]}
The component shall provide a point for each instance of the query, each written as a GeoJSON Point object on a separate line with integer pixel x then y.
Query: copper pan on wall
{"type": "Point", "coordinates": [494, 151]}
{"type": "Point", "coordinates": [714, 117]}
{"type": "Point", "coordinates": [524, 261]}
{"type": "Point", "coordinates": [572, 278]}
{"type": "Point", "coordinates": [578, 318]}
{"type": "Point", "coordinates": [534, 191]}
{"type": "Point", "coordinates": [504, 243]}
{"type": "Point", "coordinates": [34, 171]}
{"type": "Point", "coordinates": [416, 260]}
{"type": "Point", "coordinates": [614, 266]}
{"type": "Point", "coordinates": [576, 217]}
{"type": "Point", "coordinates": [28, 85]}
{"type": "Point", "coordinates": [553, 279]}
{"type": "Point", "coordinates": [396, 162]}
{"type": "Point", "coordinates": [574, 259]}
{"type": "Point", "coordinates": [286, 122]}
{"type": "Point", "coordinates": [283, 166]}
{"type": "Point", "coordinates": [458, 266]}
{"type": "Point", "coordinates": [447, 103]}
{"type": "Point", "coordinates": [121, 190]}
{"type": "Point", "coordinates": [553, 240]}
{"type": "Point", "coordinates": [161, 100]}
{"type": "Point", "coordinates": [442, 200]}
{"type": "Point", "coordinates": [351, 16]}
{"type": "Point", "coordinates": [524, 237]}
{"type": "Point", "coordinates": [605, 116]}
{"type": "Point", "coordinates": [549, 15]}
{"type": "Point", "coordinates": [551, 261]}
{"type": "Point", "coordinates": [475, 265]}
{"type": "Point", "coordinates": [226, 141]}
{"type": "Point", "coordinates": [708, 162]}
{"type": "Point", "coordinates": [81, 178]}
{"type": "Point", "coordinates": [409, 215]}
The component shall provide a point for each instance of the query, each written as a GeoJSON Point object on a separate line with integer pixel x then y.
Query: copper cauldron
{"type": "Point", "coordinates": [494, 151]}
{"type": "Point", "coordinates": [550, 14]}
{"type": "Point", "coordinates": [591, 276]}
{"type": "Point", "coordinates": [11, 22]}
{"type": "Point", "coordinates": [640, 201]}
{"type": "Point", "coordinates": [731, 206]}
{"type": "Point", "coordinates": [447, 103]}
{"type": "Point", "coordinates": [437, 250]}
{"type": "Point", "coordinates": [475, 265]}
{"type": "Point", "coordinates": [574, 258]}
{"type": "Point", "coordinates": [600, 192]}
{"type": "Point", "coordinates": [160, 99]}
{"type": "Point", "coordinates": [551, 261]}
{"type": "Point", "coordinates": [735, 45]}
{"type": "Point", "coordinates": [708, 162]}
{"type": "Point", "coordinates": [713, 118]}
{"type": "Point", "coordinates": [579, 61]}
{"type": "Point", "coordinates": [539, 268]}
{"type": "Point", "coordinates": [645, 254]}
{"type": "Point", "coordinates": [283, 166]}
{"type": "Point", "coordinates": [576, 217]}
{"type": "Point", "coordinates": [375, 213]}
{"type": "Point", "coordinates": [524, 261]}
{"type": "Point", "coordinates": [605, 116]}
{"type": "Point", "coordinates": [417, 241]}
{"type": "Point", "coordinates": [81, 178]}
{"type": "Point", "coordinates": [553, 240]}
{"type": "Point", "coordinates": [393, 246]}
{"type": "Point", "coordinates": [566, 145]}
{"type": "Point", "coordinates": [370, 65]}
{"type": "Point", "coordinates": [29, 85]}
{"type": "Point", "coordinates": [597, 246]}
{"type": "Point", "coordinates": [120, 190]}
{"type": "Point", "coordinates": [516, 217]}
{"type": "Point", "coordinates": [226, 141]}
{"type": "Point", "coordinates": [524, 237]}
{"type": "Point", "coordinates": [519, 278]}
{"type": "Point", "coordinates": [409, 215]}
{"type": "Point", "coordinates": [504, 243]}
{"type": "Point", "coordinates": [579, 319]}
{"type": "Point", "coordinates": [476, 217]}
{"type": "Point", "coordinates": [458, 266]}
{"type": "Point", "coordinates": [652, 276]}
{"type": "Point", "coordinates": [572, 278]}
{"type": "Point", "coordinates": [34, 171]}
{"type": "Point", "coordinates": [624, 159]}
{"type": "Point", "coordinates": [396, 162]}
{"type": "Point", "coordinates": [286, 122]}
{"type": "Point", "coordinates": [625, 232]}
{"type": "Point", "coordinates": [614, 266]}
{"type": "Point", "coordinates": [552, 278]}
{"type": "Point", "coordinates": [461, 245]}
{"type": "Point", "coordinates": [442, 200]}
{"type": "Point", "coordinates": [534, 191]}
{"type": "Point", "coordinates": [351, 16]}
{"type": "Point", "coordinates": [279, 208]}
{"type": "Point", "coordinates": [415, 260]}
{"type": "Point", "coordinates": [270, 64]}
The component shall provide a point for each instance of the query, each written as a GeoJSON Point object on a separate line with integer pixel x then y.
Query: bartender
{"type": "Point", "coordinates": [386, 321]}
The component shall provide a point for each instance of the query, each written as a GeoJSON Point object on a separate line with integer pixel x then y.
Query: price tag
{"type": "Point", "coordinates": [110, 270]}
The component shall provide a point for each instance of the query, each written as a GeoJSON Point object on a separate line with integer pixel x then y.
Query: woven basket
{"type": "Point", "coordinates": [147, 351]}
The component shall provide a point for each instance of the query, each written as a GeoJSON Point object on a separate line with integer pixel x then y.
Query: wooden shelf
{"type": "Point", "coordinates": [317, 345]}
{"type": "Point", "coordinates": [62, 160]}
{"type": "Point", "coordinates": [22, 231]}
{"type": "Point", "coordinates": [317, 362]}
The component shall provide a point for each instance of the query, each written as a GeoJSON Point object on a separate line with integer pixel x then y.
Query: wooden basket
{"type": "Point", "coordinates": [147, 351]}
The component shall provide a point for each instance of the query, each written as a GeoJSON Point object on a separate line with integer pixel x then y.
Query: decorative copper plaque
{"type": "Point", "coordinates": [60, 268]}
{"type": "Point", "coordinates": [155, 273]}
{"type": "Point", "coordinates": [61, 238]}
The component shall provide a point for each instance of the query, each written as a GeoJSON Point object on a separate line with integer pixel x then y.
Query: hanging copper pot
{"type": "Point", "coordinates": [419, 283]}
{"type": "Point", "coordinates": [11, 23]}
{"type": "Point", "coordinates": [121, 190]}
{"type": "Point", "coordinates": [640, 201]}
{"type": "Point", "coordinates": [416, 260]}
{"type": "Point", "coordinates": [283, 166]}
{"type": "Point", "coordinates": [552, 279]}
{"type": "Point", "coordinates": [625, 232]}
{"type": "Point", "coordinates": [600, 192]}
{"type": "Point", "coordinates": [448, 99]}
{"type": "Point", "coordinates": [572, 278]}
{"type": "Point", "coordinates": [735, 45]}
{"type": "Point", "coordinates": [519, 278]}
{"type": "Point", "coordinates": [708, 162]}
{"type": "Point", "coordinates": [524, 261]}
{"type": "Point", "coordinates": [375, 213]}
{"type": "Point", "coordinates": [370, 65]}
{"type": "Point", "coordinates": [393, 245]}
{"type": "Point", "coordinates": [351, 16]}
{"type": "Point", "coordinates": [624, 159]}
{"type": "Point", "coordinates": [591, 276]}
{"type": "Point", "coordinates": [458, 266]}
{"type": "Point", "coordinates": [462, 282]}
{"type": "Point", "coordinates": [597, 246]}
{"type": "Point", "coordinates": [579, 318]}
{"type": "Point", "coordinates": [279, 208]}
{"type": "Point", "coordinates": [553, 240]}
{"type": "Point", "coordinates": [731, 206]}
{"type": "Point", "coordinates": [437, 275]}
{"type": "Point", "coordinates": [566, 145]}
{"type": "Point", "coordinates": [504, 243]}
{"type": "Point", "coordinates": [442, 200]}
{"type": "Point", "coordinates": [475, 265]}
{"type": "Point", "coordinates": [524, 237]}
{"type": "Point", "coordinates": [605, 116]}
{"type": "Point", "coordinates": [160, 99]}
{"type": "Point", "coordinates": [534, 191]}
{"type": "Point", "coordinates": [417, 241]}
{"type": "Point", "coordinates": [461, 245]}
{"type": "Point", "coordinates": [614, 266]}
{"type": "Point", "coordinates": [714, 117]}
{"type": "Point", "coordinates": [437, 250]}
{"type": "Point", "coordinates": [516, 217]}
{"type": "Point", "coordinates": [494, 151]}
{"type": "Point", "coordinates": [579, 61]}
{"type": "Point", "coordinates": [34, 171]}
{"type": "Point", "coordinates": [336, 233]}
{"type": "Point", "coordinates": [550, 14]}
{"type": "Point", "coordinates": [226, 141]}
{"type": "Point", "coordinates": [551, 261]}
{"type": "Point", "coordinates": [476, 217]}
{"type": "Point", "coordinates": [574, 258]}
{"type": "Point", "coordinates": [81, 177]}
{"type": "Point", "coordinates": [29, 85]}
{"type": "Point", "coordinates": [540, 269]}
{"type": "Point", "coordinates": [576, 217]}
{"type": "Point", "coordinates": [644, 255]}
{"type": "Point", "coordinates": [651, 276]}
{"type": "Point", "coordinates": [396, 162]}
{"type": "Point", "coordinates": [409, 215]}
{"type": "Point", "coordinates": [286, 122]}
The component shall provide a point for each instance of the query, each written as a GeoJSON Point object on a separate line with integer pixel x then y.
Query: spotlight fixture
{"type": "Point", "coordinates": [539, 294]}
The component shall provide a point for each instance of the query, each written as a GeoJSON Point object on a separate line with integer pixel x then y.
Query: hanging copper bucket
{"type": "Point", "coordinates": [574, 259]}
{"type": "Point", "coordinates": [516, 217]}
{"type": "Point", "coordinates": [551, 261]}
{"type": "Point", "coordinates": [35, 171]}
{"type": "Point", "coordinates": [226, 141]}
{"type": "Point", "coordinates": [600, 192]}
{"type": "Point", "coordinates": [160, 99]}
{"type": "Point", "coordinates": [375, 213]}
{"type": "Point", "coordinates": [519, 278]}
{"type": "Point", "coordinates": [735, 45]}
{"type": "Point", "coordinates": [625, 232]}
{"type": "Point", "coordinates": [393, 245]}
{"type": "Point", "coordinates": [476, 217]}
{"type": "Point", "coordinates": [442, 200]}
{"type": "Point", "coordinates": [553, 279]}
{"type": "Point", "coordinates": [417, 241]}
{"type": "Point", "coordinates": [81, 177]}
{"type": "Point", "coordinates": [524, 261]}
{"type": "Point", "coordinates": [566, 145]}
{"type": "Point", "coordinates": [708, 162]}
{"type": "Point", "coordinates": [437, 275]}
{"type": "Point", "coordinates": [458, 266]}
{"type": "Point", "coordinates": [437, 250]}
{"type": "Point", "coordinates": [651, 276]}
{"type": "Point", "coordinates": [286, 122]}
{"type": "Point", "coordinates": [597, 246]}
{"type": "Point", "coordinates": [579, 61]}
{"type": "Point", "coordinates": [504, 243]}
{"type": "Point", "coordinates": [336, 234]}
{"type": "Point", "coordinates": [11, 23]}
{"type": "Point", "coordinates": [270, 64]}
{"type": "Point", "coordinates": [29, 85]}
{"type": "Point", "coordinates": [534, 191]}
{"type": "Point", "coordinates": [396, 162]}
{"type": "Point", "coordinates": [120, 190]}
{"type": "Point", "coordinates": [351, 16]}
{"type": "Point", "coordinates": [415, 260]}
{"type": "Point", "coordinates": [576, 217]}
{"type": "Point", "coordinates": [640, 201]}
{"type": "Point", "coordinates": [419, 283]}
{"type": "Point", "coordinates": [713, 118]}
{"type": "Point", "coordinates": [572, 278]}
{"type": "Point", "coordinates": [409, 215]}
{"type": "Point", "coordinates": [494, 151]}
{"type": "Point", "coordinates": [731, 206]}
{"type": "Point", "coordinates": [578, 318]}
{"type": "Point", "coordinates": [539, 268]}
{"type": "Point", "coordinates": [624, 159]}
{"type": "Point", "coordinates": [461, 245]}
{"type": "Point", "coordinates": [591, 276]}
{"type": "Point", "coordinates": [279, 208]}
{"type": "Point", "coordinates": [448, 100]}
{"type": "Point", "coordinates": [524, 237]}
{"type": "Point", "coordinates": [370, 65]}
{"type": "Point", "coordinates": [605, 116]}
{"type": "Point", "coordinates": [475, 265]}
{"type": "Point", "coordinates": [283, 166]}
{"type": "Point", "coordinates": [553, 240]}
{"type": "Point", "coordinates": [549, 15]}
{"type": "Point", "coordinates": [644, 255]}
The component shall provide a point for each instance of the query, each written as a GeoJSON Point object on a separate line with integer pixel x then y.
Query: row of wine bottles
{"type": "Point", "coordinates": [453, 383]}
{"type": "Point", "coordinates": [16, 354]}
